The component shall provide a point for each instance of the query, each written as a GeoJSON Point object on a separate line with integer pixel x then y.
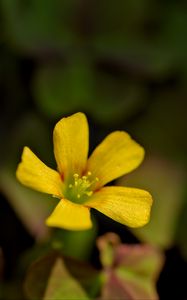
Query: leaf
{"type": "Point", "coordinates": [61, 285]}
{"type": "Point", "coordinates": [81, 275]}
{"type": "Point", "coordinates": [143, 260]}
{"type": "Point", "coordinates": [64, 88]}
{"type": "Point", "coordinates": [117, 37]}
{"type": "Point", "coordinates": [107, 244]}
{"type": "Point", "coordinates": [35, 30]}
{"type": "Point", "coordinates": [61, 89]}
{"type": "Point", "coordinates": [124, 285]}
{"type": "Point", "coordinates": [168, 142]}
{"type": "Point", "coordinates": [31, 207]}
{"type": "Point", "coordinates": [133, 271]}
{"type": "Point", "coordinates": [37, 277]}
{"type": "Point", "coordinates": [113, 289]}
{"type": "Point", "coordinates": [115, 97]}
{"type": "Point", "coordinates": [138, 286]}
{"type": "Point", "coordinates": [165, 181]}
{"type": "Point", "coordinates": [30, 130]}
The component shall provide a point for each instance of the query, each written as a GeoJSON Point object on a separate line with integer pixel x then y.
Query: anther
{"type": "Point", "coordinates": [76, 176]}
{"type": "Point", "coordinates": [82, 186]}
{"type": "Point", "coordinates": [89, 193]}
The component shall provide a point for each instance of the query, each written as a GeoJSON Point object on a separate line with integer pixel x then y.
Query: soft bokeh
{"type": "Point", "coordinates": [124, 64]}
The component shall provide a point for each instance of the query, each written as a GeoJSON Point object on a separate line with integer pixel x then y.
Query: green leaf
{"type": "Point", "coordinates": [169, 141]}
{"type": "Point", "coordinates": [35, 30]}
{"type": "Point", "coordinates": [61, 285]}
{"type": "Point", "coordinates": [115, 97]}
{"type": "Point", "coordinates": [165, 181]}
{"type": "Point", "coordinates": [30, 130]}
{"type": "Point", "coordinates": [54, 273]}
{"type": "Point", "coordinates": [62, 89]}
{"type": "Point", "coordinates": [31, 207]}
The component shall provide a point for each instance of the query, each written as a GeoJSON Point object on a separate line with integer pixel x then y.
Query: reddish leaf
{"type": "Point", "coordinates": [130, 271]}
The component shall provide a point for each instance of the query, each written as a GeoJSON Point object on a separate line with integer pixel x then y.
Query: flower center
{"type": "Point", "coordinates": [81, 188]}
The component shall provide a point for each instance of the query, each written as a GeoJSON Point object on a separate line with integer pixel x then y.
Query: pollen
{"type": "Point", "coordinates": [81, 188]}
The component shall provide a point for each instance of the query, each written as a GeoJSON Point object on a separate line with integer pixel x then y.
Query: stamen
{"type": "Point", "coordinates": [89, 193]}
{"type": "Point", "coordinates": [82, 186]}
{"type": "Point", "coordinates": [76, 176]}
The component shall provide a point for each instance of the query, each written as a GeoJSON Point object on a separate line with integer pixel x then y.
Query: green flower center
{"type": "Point", "coordinates": [80, 188]}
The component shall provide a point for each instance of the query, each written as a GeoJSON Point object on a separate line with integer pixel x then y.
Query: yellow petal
{"type": "Point", "coordinates": [117, 155]}
{"type": "Point", "coordinates": [128, 206]}
{"type": "Point", "coordinates": [70, 138]}
{"type": "Point", "coordinates": [33, 173]}
{"type": "Point", "coordinates": [71, 216]}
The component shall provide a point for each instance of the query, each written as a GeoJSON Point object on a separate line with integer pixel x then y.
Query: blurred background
{"type": "Point", "coordinates": [124, 64]}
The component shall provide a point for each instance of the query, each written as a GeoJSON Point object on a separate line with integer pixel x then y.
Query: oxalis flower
{"type": "Point", "coordinates": [79, 181]}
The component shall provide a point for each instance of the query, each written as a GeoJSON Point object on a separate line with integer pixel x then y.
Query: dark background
{"type": "Point", "coordinates": [124, 64]}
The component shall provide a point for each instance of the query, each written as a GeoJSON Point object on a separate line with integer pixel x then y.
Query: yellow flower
{"type": "Point", "coordinates": [79, 181]}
